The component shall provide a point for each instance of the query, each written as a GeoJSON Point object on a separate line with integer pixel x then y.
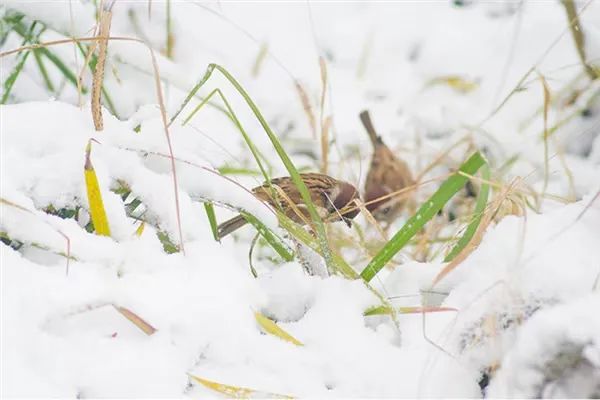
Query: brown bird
{"type": "Point", "coordinates": [387, 174]}
{"type": "Point", "coordinates": [333, 200]}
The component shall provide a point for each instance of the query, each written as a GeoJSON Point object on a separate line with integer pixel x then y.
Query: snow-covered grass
{"type": "Point", "coordinates": [442, 80]}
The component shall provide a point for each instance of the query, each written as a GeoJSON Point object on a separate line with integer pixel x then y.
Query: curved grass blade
{"type": "Point", "coordinates": [272, 328]}
{"type": "Point", "coordinates": [58, 63]}
{"type": "Point", "coordinates": [237, 392]}
{"type": "Point", "coordinates": [43, 71]}
{"type": "Point", "coordinates": [258, 157]}
{"type": "Point", "coordinates": [427, 210]}
{"type": "Point", "coordinates": [274, 241]}
{"type": "Point", "coordinates": [12, 78]}
{"type": "Point", "coordinates": [97, 211]}
{"type": "Point", "coordinates": [482, 199]}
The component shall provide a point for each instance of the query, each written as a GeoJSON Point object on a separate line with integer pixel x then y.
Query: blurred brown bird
{"type": "Point", "coordinates": [332, 198]}
{"type": "Point", "coordinates": [387, 174]}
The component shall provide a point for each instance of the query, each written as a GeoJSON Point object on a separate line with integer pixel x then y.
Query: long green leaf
{"type": "Point", "coordinates": [66, 71]}
{"type": "Point", "coordinates": [427, 210]}
{"type": "Point", "coordinates": [482, 199]}
{"type": "Point", "coordinates": [12, 78]}
{"type": "Point", "coordinates": [258, 157]}
{"type": "Point", "coordinates": [386, 310]}
{"type": "Point", "coordinates": [294, 174]}
{"type": "Point", "coordinates": [43, 71]}
{"type": "Point", "coordinates": [212, 220]}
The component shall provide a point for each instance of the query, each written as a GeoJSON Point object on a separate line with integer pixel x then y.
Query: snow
{"type": "Point", "coordinates": [526, 299]}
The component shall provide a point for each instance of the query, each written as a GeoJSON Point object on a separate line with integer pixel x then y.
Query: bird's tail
{"type": "Point", "coordinates": [231, 225]}
{"type": "Point", "coordinates": [368, 124]}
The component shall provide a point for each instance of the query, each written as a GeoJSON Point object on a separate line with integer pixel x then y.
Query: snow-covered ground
{"type": "Point", "coordinates": [527, 300]}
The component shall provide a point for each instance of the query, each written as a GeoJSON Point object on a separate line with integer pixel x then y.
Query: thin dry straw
{"type": "Point", "coordinates": [534, 67]}
{"type": "Point", "coordinates": [307, 108]}
{"type": "Point", "coordinates": [578, 37]}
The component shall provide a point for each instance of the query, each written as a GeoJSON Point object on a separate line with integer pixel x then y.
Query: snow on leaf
{"type": "Point", "coordinates": [272, 328]}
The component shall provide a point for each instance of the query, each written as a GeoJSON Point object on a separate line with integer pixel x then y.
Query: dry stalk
{"type": "Point", "coordinates": [578, 37]}
{"type": "Point", "coordinates": [371, 220]}
{"type": "Point", "coordinates": [292, 205]}
{"type": "Point", "coordinates": [323, 69]}
{"type": "Point", "coordinates": [545, 114]}
{"type": "Point", "coordinates": [136, 320]}
{"type": "Point", "coordinates": [325, 144]}
{"type": "Point", "coordinates": [312, 121]}
{"type": "Point", "coordinates": [103, 33]}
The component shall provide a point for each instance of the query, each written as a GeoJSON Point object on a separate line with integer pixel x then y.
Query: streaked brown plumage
{"type": "Point", "coordinates": [332, 198]}
{"type": "Point", "coordinates": [387, 174]}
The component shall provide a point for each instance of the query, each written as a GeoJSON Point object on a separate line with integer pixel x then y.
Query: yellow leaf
{"type": "Point", "coordinates": [97, 211]}
{"type": "Point", "coordinates": [458, 83]}
{"type": "Point", "coordinates": [237, 392]}
{"type": "Point", "coordinates": [140, 229]}
{"type": "Point", "coordinates": [271, 327]}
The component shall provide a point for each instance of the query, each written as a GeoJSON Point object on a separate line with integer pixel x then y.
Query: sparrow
{"type": "Point", "coordinates": [387, 174]}
{"type": "Point", "coordinates": [332, 198]}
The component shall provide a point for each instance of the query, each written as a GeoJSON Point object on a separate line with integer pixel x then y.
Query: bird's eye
{"type": "Point", "coordinates": [386, 210]}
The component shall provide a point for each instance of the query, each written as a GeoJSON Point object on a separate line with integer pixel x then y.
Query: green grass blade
{"type": "Point", "coordinates": [43, 71]}
{"type": "Point", "coordinates": [168, 246]}
{"type": "Point", "coordinates": [387, 310]}
{"type": "Point", "coordinates": [62, 67]}
{"type": "Point", "coordinates": [258, 157]}
{"type": "Point", "coordinates": [229, 170]}
{"type": "Point", "coordinates": [427, 210]}
{"type": "Point", "coordinates": [212, 220]}
{"type": "Point", "coordinates": [12, 77]}
{"type": "Point", "coordinates": [109, 103]}
{"type": "Point", "coordinates": [482, 199]}
{"type": "Point", "coordinates": [274, 241]}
